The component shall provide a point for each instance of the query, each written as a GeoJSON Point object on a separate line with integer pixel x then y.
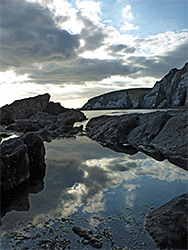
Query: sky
{"type": "Point", "coordinates": [78, 49]}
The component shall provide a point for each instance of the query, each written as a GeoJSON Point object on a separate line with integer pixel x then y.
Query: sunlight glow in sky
{"type": "Point", "coordinates": [77, 49]}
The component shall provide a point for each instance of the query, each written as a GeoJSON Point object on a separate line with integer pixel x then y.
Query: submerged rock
{"type": "Point", "coordinates": [168, 224]}
{"type": "Point", "coordinates": [88, 236]}
{"type": "Point", "coordinates": [159, 134]}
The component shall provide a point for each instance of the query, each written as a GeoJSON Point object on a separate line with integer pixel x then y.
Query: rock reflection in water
{"type": "Point", "coordinates": [18, 198]}
{"type": "Point", "coordinates": [85, 180]}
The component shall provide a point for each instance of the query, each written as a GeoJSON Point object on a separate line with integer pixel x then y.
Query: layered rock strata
{"type": "Point", "coordinates": [170, 92]}
{"type": "Point", "coordinates": [162, 135]}
{"type": "Point", "coordinates": [113, 100]}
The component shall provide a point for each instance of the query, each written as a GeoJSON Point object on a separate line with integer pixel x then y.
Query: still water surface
{"type": "Point", "coordinates": [92, 186]}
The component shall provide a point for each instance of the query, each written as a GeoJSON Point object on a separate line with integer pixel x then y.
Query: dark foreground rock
{"type": "Point", "coordinates": [23, 109]}
{"type": "Point", "coordinates": [18, 157]}
{"type": "Point", "coordinates": [22, 162]}
{"type": "Point", "coordinates": [48, 119]}
{"type": "Point", "coordinates": [168, 224]}
{"type": "Point", "coordinates": [162, 135]}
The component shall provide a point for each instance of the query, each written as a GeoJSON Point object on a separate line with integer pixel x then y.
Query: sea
{"type": "Point", "coordinates": [92, 186]}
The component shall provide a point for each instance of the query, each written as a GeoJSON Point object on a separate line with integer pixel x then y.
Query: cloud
{"type": "Point", "coordinates": [159, 65]}
{"type": "Point", "coordinates": [121, 48]}
{"type": "Point", "coordinates": [90, 9]}
{"type": "Point", "coordinates": [128, 16]}
{"type": "Point", "coordinates": [127, 12]}
{"type": "Point", "coordinates": [92, 34]}
{"type": "Point", "coordinates": [52, 42]}
{"type": "Point", "coordinates": [29, 35]}
{"type": "Point", "coordinates": [128, 26]}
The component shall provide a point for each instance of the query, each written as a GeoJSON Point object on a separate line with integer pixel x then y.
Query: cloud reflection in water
{"type": "Point", "coordinates": [83, 178]}
{"type": "Point", "coordinates": [87, 175]}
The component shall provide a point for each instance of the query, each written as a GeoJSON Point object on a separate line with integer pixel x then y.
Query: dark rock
{"type": "Point", "coordinates": [24, 125]}
{"type": "Point", "coordinates": [48, 119]}
{"type": "Point", "coordinates": [170, 92]}
{"type": "Point", "coordinates": [14, 163]}
{"type": "Point", "coordinates": [58, 126]}
{"type": "Point", "coordinates": [23, 109]}
{"type": "Point", "coordinates": [88, 236]}
{"type": "Point", "coordinates": [36, 150]}
{"type": "Point", "coordinates": [160, 134]}
{"type": "Point", "coordinates": [55, 108]}
{"type": "Point", "coordinates": [113, 100]}
{"type": "Point", "coordinates": [172, 140]}
{"type": "Point", "coordinates": [18, 157]}
{"type": "Point", "coordinates": [168, 224]}
{"type": "Point", "coordinates": [17, 198]}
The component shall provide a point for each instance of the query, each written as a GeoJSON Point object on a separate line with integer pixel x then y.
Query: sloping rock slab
{"type": "Point", "coordinates": [168, 224]}
{"type": "Point", "coordinates": [162, 135]}
{"type": "Point", "coordinates": [24, 108]}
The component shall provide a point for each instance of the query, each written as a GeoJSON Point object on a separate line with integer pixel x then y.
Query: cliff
{"type": "Point", "coordinates": [170, 92]}
{"type": "Point", "coordinates": [113, 100]}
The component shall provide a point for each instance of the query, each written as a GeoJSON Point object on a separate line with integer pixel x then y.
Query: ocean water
{"type": "Point", "coordinates": [88, 185]}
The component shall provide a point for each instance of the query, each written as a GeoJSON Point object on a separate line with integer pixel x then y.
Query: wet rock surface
{"type": "Point", "coordinates": [168, 224]}
{"type": "Point", "coordinates": [162, 135]}
{"type": "Point", "coordinates": [18, 157]}
{"type": "Point", "coordinates": [88, 236]}
{"type": "Point", "coordinates": [23, 166]}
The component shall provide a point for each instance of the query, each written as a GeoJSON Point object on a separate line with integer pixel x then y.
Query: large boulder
{"type": "Point", "coordinates": [162, 135]}
{"type": "Point", "coordinates": [24, 108]}
{"type": "Point", "coordinates": [170, 92]}
{"type": "Point", "coordinates": [113, 100]}
{"type": "Point", "coordinates": [18, 157]}
{"type": "Point", "coordinates": [14, 163]}
{"type": "Point", "coordinates": [168, 224]}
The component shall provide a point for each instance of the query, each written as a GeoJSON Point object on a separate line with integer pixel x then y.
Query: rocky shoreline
{"type": "Point", "coordinates": [36, 120]}
{"type": "Point", "coordinates": [161, 134]}
{"type": "Point", "coordinates": [169, 92]}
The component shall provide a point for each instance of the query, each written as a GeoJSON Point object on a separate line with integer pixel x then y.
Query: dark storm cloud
{"type": "Point", "coordinates": [78, 71]}
{"type": "Point", "coordinates": [121, 48]}
{"type": "Point", "coordinates": [32, 43]}
{"type": "Point", "coordinates": [158, 66]}
{"type": "Point", "coordinates": [29, 34]}
{"type": "Point", "coordinates": [92, 34]}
